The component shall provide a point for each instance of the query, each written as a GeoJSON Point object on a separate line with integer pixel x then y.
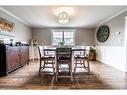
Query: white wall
{"type": "Point", "coordinates": [113, 56]}
{"type": "Point", "coordinates": [83, 36]}
{"type": "Point", "coordinates": [22, 31]}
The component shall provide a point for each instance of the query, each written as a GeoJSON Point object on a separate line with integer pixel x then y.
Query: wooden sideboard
{"type": "Point", "coordinates": [12, 57]}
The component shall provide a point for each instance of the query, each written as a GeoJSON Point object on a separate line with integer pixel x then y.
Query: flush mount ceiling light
{"type": "Point", "coordinates": [63, 17]}
{"type": "Point", "coordinates": [63, 13]}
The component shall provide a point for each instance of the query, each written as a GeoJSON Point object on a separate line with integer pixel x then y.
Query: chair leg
{"type": "Point", "coordinates": [69, 66]}
{"type": "Point", "coordinates": [88, 66]}
{"type": "Point", "coordinates": [43, 65]}
{"type": "Point", "coordinates": [56, 72]}
{"type": "Point", "coordinates": [71, 73]}
{"type": "Point", "coordinates": [84, 64]}
{"type": "Point", "coordinates": [40, 67]}
{"type": "Point", "coordinates": [75, 66]}
{"type": "Point", "coordinates": [53, 68]}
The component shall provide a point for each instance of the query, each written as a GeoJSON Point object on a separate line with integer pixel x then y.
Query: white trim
{"type": "Point", "coordinates": [125, 42]}
{"type": "Point", "coordinates": [125, 17]}
{"type": "Point", "coordinates": [7, 12]}
{"type": "Point", "coordinates": [112, 16]}
{"type": "Point", "coordinates": [107, 55]}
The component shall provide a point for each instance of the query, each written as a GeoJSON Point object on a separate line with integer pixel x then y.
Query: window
{"type": "Point", "coordinates": [57, 37]}
{"type": "Point", "coordinates": [60, 35]}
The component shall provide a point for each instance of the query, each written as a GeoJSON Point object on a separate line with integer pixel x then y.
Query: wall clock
{"type": "Point", "coordinates": [102, 33]}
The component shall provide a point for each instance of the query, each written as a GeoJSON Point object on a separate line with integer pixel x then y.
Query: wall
{"type": "Point", "coordinates": [43, 36]}
{"type": "Point", "coordinates": [112, 51]}
{"type": "Point", "coordinates": [22, 31]}
{"type": "Point", "coordinates": [83, 36]}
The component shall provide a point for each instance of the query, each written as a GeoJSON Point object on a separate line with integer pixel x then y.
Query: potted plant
{"type": "Point", "coordinates": [92, 54]}
{"type": "Point", "coordinates": [61, 44]}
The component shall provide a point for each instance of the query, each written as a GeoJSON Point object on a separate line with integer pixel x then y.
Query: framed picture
{"type": "Point", "coordinates": [6, 27]}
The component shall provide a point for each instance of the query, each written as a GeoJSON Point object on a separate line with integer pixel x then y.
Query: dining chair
{"type": "Point", "coordinates": [64, 62]}
{"type": "Point", "coordinates": [81, 60]}
{"type": "Point", "coordinates": [45, 61]}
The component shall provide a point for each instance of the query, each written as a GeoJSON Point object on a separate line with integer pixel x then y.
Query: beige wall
{"type": "Point", "coordinates": [43, 36]}
{"type": "Point", "coordinates": [22, 31]}
{"type": "Point", "coordinates": [83, 36]}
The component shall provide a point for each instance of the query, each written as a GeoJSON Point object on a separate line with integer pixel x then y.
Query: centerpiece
{"type": "Point", "coordinates": [61, 44]}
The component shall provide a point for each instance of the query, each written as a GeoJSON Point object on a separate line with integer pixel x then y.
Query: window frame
{"type": "Point", "coordinates": [63, 30]}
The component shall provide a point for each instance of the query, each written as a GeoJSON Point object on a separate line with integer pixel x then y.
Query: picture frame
{"type": "Point", "coordinates": [6, 27]}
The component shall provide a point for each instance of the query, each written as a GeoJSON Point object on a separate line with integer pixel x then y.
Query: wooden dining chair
{"type": "Point", "coordinates": [64, 62]}
{"type": "Point", "coordinates": [45, 61]}
{"type": "Point", "coordinates": [81, 60]}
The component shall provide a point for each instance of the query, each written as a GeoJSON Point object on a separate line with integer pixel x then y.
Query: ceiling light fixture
{"type": "Point", "coordinates": [63, 17]}
{"type": "Point", "coordinates": [63, 13]}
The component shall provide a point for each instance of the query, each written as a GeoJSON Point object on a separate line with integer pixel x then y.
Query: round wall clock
{"type": "Point", "coordinates": [102, 33]}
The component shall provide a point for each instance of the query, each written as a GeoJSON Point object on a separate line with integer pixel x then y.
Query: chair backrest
{"type": "Point", "coordinates": [47, 51]}
{"type": "Point", "coordinates": [64, 54]}
{"type": "Point", "coordinates": [40, 50]}
{"type": "Point", "coordinates": [81, 52]}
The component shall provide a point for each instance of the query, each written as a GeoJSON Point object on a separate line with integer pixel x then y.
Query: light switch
{"type": "Point", "coordinates": [117, 33]}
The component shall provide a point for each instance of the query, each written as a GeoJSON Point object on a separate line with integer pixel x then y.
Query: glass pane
{"type": "Point", "coordinates": [68, 35]}
{"type": "Point", "coordinates": [56, 41]}
{"type": "Point", "coordinates": [57, 37]}
{"type": "Point", "coordinates": [69, 38]}
{"type": "Point", "coordinates": [69, 41]}
{"type": "Point", "coordinates": [57, 34]}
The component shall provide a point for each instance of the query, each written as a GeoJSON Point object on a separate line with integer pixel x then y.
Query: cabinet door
{"type": "Point", "coordinates": [24, 55]}
{"type": "Point", "coordinates": [13, 57]}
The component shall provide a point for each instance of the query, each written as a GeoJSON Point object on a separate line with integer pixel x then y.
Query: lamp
{"type": "Point", "coordinates": [63, 13]}
{"type": "Point", "coordinates": [63, 17]}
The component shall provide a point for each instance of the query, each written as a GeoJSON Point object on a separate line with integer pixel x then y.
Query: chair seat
{"type": "Point", "coordinates": [47, 57]}
{"type": "Point", "coordinates": [64, 62]}
{"type": "Point", "coordinates": [80, 57]}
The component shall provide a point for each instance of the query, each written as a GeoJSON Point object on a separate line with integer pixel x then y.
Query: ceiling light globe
{"type": "Point", "coordinates": [63, 21]}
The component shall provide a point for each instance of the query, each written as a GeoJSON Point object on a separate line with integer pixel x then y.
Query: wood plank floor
{"type": "Point", "coordinates": [102, 76]}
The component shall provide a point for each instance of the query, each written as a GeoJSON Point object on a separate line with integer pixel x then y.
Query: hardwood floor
{"type": "Point", "coordinates": [102, 76]}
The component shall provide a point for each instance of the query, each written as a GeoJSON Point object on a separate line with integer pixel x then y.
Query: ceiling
{"type": "Point", "coordinates": [83, 16]}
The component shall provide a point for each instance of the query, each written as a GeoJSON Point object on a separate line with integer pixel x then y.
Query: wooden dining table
{"type": "Point", "coordinates": [75, 48]}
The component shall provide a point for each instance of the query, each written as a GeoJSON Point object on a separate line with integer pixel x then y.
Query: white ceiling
{"type": "Point", "coordinates": [84, 16]}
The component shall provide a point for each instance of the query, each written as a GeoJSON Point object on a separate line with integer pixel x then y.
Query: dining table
{"type": "Point", "coordinates": [74, 48]}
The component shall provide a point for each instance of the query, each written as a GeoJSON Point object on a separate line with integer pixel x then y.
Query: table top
{"type": "Point", "coordinates": [77, 48]}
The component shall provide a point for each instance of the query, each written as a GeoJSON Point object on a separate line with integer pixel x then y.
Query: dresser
{"type": "Point", "coordinates": [12, 58]}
